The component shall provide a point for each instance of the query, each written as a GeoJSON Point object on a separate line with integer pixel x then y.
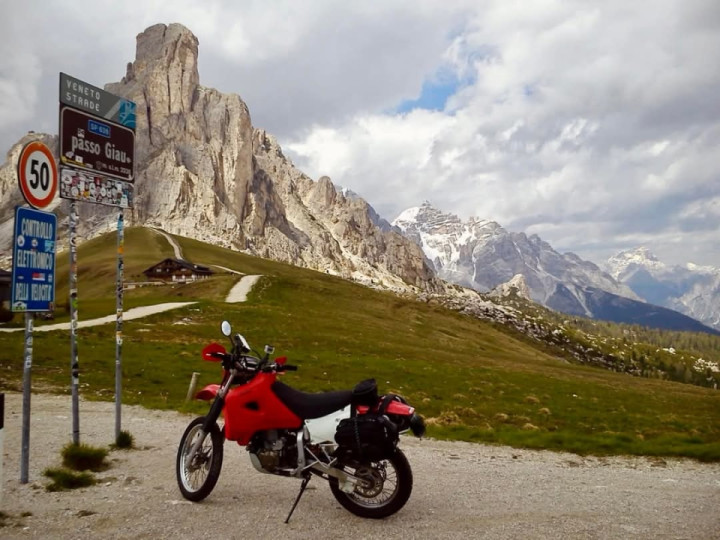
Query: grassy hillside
{"type": "Point", "coordinates": [471, 379]}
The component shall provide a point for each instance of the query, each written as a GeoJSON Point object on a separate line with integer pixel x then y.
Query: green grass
{"type": "Point", "coordinates": [124, 441]}
{"type": "Point", "coordinates": [82, 457]}
{"type": "Point", "coordinates": [66, 479]}
{"type": "Point", "coordinates": [471, 379]}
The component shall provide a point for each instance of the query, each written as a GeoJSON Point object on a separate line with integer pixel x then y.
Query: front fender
{"type": "Point", "coordinates": [208, 393]}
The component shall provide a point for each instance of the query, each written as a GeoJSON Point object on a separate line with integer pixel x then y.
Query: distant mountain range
{"type": "Point", "coordinates": [690, 289]}
{"type": "Point", "coordinates": [482, 255]}
{"type": "Point", "coordinates": [203, 171]}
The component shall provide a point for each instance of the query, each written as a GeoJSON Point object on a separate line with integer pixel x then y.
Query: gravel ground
{"type": "Point", "coordinates": [461, 490]}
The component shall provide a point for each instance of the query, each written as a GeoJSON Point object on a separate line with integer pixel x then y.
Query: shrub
{"type": "Point", "coordinates": [124, 441]}
{"type": "Point", "coordinates": [65, 479]}
{"type": "Point", "coordinates": [81, 457]}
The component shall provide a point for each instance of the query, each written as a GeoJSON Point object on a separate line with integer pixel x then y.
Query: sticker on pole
{"type": "Point", "coordinates": [37, 174]}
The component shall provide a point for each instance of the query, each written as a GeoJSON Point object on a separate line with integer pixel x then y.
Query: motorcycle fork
{"type": "Point", "coordinates": [212, 415]}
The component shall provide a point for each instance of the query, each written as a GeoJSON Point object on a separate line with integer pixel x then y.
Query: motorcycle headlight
{"type": "Point", "coordinates": [417, 425]}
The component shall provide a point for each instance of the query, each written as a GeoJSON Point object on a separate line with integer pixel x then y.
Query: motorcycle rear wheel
{"type": "Point", "coordinates": [391, 484]}
{"type": "Point", "coordinates": [196, 478]}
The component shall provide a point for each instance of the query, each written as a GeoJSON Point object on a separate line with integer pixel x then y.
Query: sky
{"type": "Point", "coordinates": [595, 125]}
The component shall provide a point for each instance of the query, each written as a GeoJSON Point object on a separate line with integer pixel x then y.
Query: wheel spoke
{"type": "Point", "coordinates": [383, 487]}
{"type": "Point", "coordinates": [198, 475]}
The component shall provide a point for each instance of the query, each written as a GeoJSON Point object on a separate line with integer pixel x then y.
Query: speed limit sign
{"type": "Point", "coordinates": [37, 174]}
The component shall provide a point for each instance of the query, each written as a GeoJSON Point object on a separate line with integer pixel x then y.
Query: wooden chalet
{"type": "Point", "coordinates": [177, 270]}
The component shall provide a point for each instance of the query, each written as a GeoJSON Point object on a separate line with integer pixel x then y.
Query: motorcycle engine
{"type": "Point", "coordinates": [274, 450]}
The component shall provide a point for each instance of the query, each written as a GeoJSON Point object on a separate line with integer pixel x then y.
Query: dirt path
{"type": "Point", "coordinates": [460, 490]}
{"type": "Point", "coordinates": [176, 247]}
{"type": "Point", "coordinates": [241, 289]}
{"type": "Point", "coordinates": [130, 314]}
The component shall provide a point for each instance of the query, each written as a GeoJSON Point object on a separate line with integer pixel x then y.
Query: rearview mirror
{"type": "Point", "coordinates": [226, 329]}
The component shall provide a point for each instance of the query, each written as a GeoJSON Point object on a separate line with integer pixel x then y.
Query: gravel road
{"type": "Point", "coordinates": [461, 490]}
{"type": "Point", "coordinates": [134, 313]}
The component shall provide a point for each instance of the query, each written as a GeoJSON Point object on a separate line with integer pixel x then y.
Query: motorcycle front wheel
{"type": "Point", "coordinates": [197, 477]}
{"type": "Point", "coordinates": [387, 487]}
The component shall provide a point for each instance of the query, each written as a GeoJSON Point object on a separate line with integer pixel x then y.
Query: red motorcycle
{"type": "Point", "coordinates": [348, 437]}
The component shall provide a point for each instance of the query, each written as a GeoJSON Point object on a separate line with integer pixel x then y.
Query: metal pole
{"type": "Point", "coordinates": [119, 324]}
{"type": "Point", "coordinates": [25, 452]}
{"type": "Point", "coordinates": [74, 365]}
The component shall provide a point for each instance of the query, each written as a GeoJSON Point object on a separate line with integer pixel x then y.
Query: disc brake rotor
{"type": "Point", "coordinates": [373, 481]}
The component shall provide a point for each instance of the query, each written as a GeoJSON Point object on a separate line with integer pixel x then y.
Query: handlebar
{"type": "Point", "coordinates": [278, 368]}
{"type": "Point", "coordinates": [251, 364]}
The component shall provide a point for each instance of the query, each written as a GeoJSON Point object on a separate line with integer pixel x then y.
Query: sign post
{"type": "Point", "coordinates": [97, 151]}
{"type": "Point", "coordinates": [92, 145]}
{"type": "Point", "coordinates": [27, 369]}
{"type": "Point", "coordinates": [74, 364]}
{"type": "Point", "coordinates": [119, 323]}
{"type": "Point", "coordinates": [33, 270]}
{"type": "Point", "coordinates": [33, 289]}
{"type": "Point", "coordinates": [96, 101]}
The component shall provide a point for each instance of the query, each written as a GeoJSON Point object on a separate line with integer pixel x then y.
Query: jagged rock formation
{"type": "Point", "coordinates": [690, 289]}
{"type": "Point", "coordinates": [516, 286]}
{"type": "Point", "coordinates": [204, 172]}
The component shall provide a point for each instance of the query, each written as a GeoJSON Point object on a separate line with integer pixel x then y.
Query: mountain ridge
{"type": "Point", "coordinates": [482, 255]}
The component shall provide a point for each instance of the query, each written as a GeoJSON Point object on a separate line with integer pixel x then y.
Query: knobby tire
{"type": "Point", "coordinates": [212, 466]}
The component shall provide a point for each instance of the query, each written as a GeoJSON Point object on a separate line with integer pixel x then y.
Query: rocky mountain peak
{"type": "Point", "coordinates": [204, 172]}
{"type": "Point", "coordinates": [638, 254]}
{"type": "Point", "coordinates": [426, 217]}
{"type": "Point", "coordinates": [172, 50]}
{"type": "Point", "coordinates": [625, 262]}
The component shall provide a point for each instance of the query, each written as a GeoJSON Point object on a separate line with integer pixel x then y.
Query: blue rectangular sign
{"type": "Point", "coordinates": [33, 271]}
{"type": "Point", "coordinates": [99, 128]}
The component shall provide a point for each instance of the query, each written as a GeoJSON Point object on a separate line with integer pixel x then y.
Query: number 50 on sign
{"type": "Point", "coordinates": [37, 174]}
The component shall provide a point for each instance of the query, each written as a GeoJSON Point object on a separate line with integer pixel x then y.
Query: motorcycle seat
{"type": "Point", "coordinates": [309, 406]}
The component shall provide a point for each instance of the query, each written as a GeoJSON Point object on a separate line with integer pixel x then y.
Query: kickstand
{"type": "Point", "coordinates": [297, 500]}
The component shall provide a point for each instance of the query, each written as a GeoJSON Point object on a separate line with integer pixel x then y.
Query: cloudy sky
{"type": "Point", "coordinates": [595, 125]}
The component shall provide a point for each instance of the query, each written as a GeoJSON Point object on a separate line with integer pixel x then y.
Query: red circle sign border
{"type": "Point", "coordinates": [27, 150]}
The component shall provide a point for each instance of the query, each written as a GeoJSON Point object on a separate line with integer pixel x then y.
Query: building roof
{"type": "Point", "coordinates": [200, 269]}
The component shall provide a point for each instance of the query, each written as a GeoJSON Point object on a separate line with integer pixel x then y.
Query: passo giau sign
{"type": "Point", "coordinates": [94, 144]}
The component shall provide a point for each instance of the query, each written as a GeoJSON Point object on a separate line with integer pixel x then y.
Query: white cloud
{"type": "Point", "coordinates": [589, 126]}
{"type": "Point", "coordinates": [594, 125]}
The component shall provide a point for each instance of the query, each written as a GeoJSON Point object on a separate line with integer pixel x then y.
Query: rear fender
{"type": "Point", "coordinates": [393, 407]}
{"type": "Point", "coordinates": [208, 393]}
{"type": "Point", "coordinates": [400, 408]}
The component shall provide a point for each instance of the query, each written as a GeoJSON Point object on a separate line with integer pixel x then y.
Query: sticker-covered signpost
{"type": "Point", "coordinates": [97, 156]}
{"type": "Point", "coordinates": [33, 269]}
